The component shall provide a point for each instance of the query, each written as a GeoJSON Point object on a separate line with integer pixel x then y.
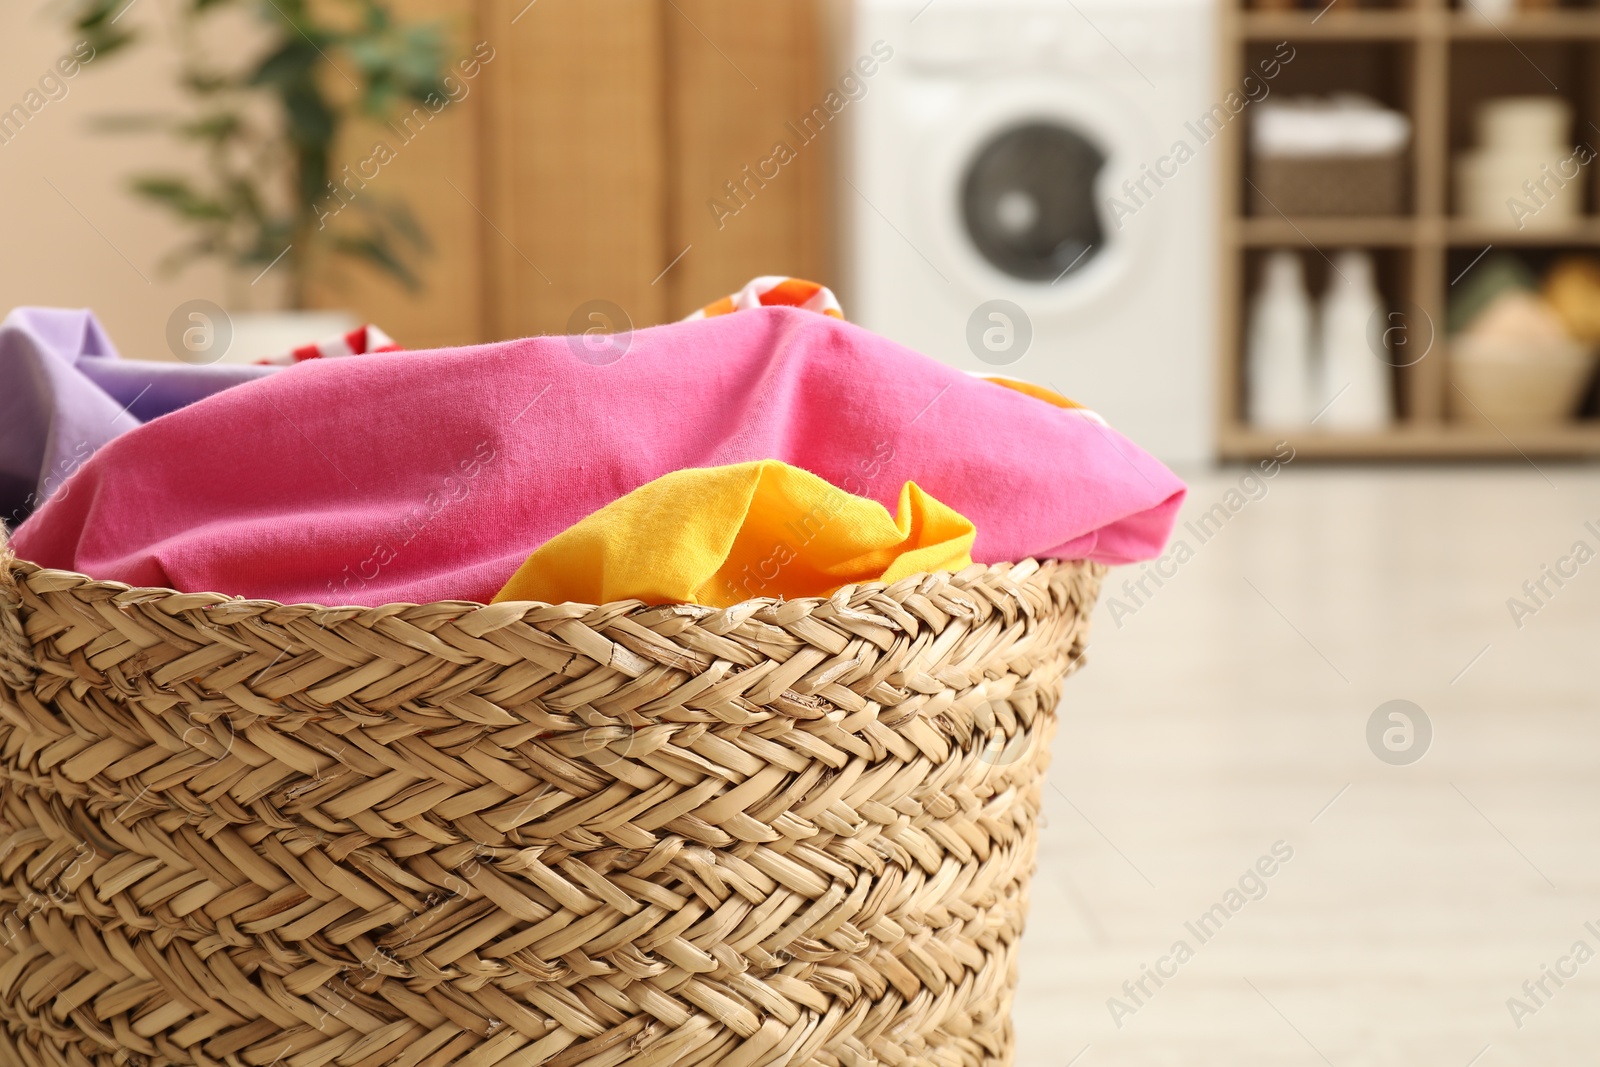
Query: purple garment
{"type": "Point", "coordinates": [64, 392]}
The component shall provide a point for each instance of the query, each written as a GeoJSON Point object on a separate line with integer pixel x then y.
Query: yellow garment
{"type": "Point", "coordinates": [721, 535]}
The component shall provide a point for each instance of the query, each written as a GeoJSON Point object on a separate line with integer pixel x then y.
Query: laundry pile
{"type": "Point", "coordinates": [764, 447]}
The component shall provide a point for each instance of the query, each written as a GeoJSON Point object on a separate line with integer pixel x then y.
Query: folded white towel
{"type": "Point", "coordinates": [1343, 125]}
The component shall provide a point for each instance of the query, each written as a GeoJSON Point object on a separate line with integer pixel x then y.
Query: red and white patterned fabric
{"type": "Point", "coordinates": [358, 342]}
{"type": "Point", "coordinates": [775, 291]}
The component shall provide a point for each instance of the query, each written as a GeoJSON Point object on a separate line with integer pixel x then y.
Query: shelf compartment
{"type": "Point", "coordinates": [1262, 231]}
{"type": "Point", "coordinates": [1467, 233]}
{"type": "Point", "coordinates": [1380, 70]}
{"type": "Point", "coordinates": [1395, 274]}
{"type": "Point", "coordinates": [1578, 440]}
{"type": "Point", "coordinates": [1483, 69]}
{"type": "Point", "coordinates": [1560, 24]}
{"type": "Point", "coordinates": [1408, 24]}
{"type": "Point", "coordinates": [1330, 25]}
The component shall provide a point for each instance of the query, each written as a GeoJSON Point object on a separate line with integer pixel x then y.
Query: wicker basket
{"type": "Point", "coordinates": [1498, 382]}
{"type": "Point", "coordinates": [243, 833]}
{"type": "Point", "coordinates": [1328, 185]}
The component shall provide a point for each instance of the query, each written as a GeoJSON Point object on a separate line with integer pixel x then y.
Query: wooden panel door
{"type": "Point", "coordinates": [617, 150]}
{"type": "Point", "coordinates": [749, 180]}
{"type": "Point", "coordinates": [574, 193]}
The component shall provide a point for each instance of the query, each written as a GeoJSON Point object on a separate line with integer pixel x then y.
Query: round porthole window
{"type": "Point", "coordinates": [1028, 202]}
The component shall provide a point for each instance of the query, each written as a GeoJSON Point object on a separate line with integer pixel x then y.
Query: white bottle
{"type": "Point", "coordinates": [1355, 390]}
{"type": "Point", "coordinates": [1279, 382]}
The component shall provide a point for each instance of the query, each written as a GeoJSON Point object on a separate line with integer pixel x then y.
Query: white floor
{"type": "Point", "coordinates": [1229, 712]}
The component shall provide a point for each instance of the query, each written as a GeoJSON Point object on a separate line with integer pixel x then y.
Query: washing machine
{"type": "Point", "coordinates": [1015, 201]}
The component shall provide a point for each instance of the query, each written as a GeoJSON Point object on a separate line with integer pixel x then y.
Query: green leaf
{"type": "Point", "coordinates": [290, 64]}
{"type": "Point", "coordinates": [95, 13]}
{"type": "Point", "coordinates": [312, 121]}
{"type": "Point", "coordinates": [398, 216]}
{"type": "Point", "coordinates": [109, 41]}
{"type": "Point", "coordinates": [246, 164]}
{"type": "Point", "coordinates": [274, 236]}
{"type": "Point", "coordinates": [131, 123]}
{"type": "Point", "coordinates": [218, 127]}
{"type": "Point", "coordinates": [179, 196]}
{"type": "Point", "coordinates": [174, 261]}
{"type": "Point", "coordinates": [243, 199]}
{"type": "Point", "coordinates": [208, 83]}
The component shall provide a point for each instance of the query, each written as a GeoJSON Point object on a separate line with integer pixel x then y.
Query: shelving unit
{"type": "Point", "coordinates": [1433, 59]}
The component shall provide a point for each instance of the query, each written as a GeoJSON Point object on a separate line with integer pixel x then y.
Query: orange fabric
{"type": "Point", "coordinates": [794, 292]}
{"type": "Point", "coordinates": [1038, 392]}
{"type": "Point", "coordinates": [775, 291]}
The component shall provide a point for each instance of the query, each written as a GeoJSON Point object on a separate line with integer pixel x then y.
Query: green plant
{"type": "Point", "coordinates": [268, 167]}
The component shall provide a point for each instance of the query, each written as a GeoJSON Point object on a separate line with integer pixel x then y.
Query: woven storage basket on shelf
{"type": "Point", "coordinates": [1328, 185]}
{"type": "Point", "coordinates": [238, 832]}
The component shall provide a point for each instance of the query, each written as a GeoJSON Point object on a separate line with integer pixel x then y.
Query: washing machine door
{"type": "Point", "coordinates": [1024, 184]}
{"type": "Point", "coordinates": [1028, 201]}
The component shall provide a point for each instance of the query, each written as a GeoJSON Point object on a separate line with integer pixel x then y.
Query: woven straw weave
{"type": "Point", "coordinates": [236, 832]}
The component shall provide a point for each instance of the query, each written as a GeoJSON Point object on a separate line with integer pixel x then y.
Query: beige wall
{"type": "Point", "coordinates": [87, 242]}
{"type": "Point", "coordinates": [588, 146]}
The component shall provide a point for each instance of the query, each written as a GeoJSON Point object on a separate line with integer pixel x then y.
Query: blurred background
{"type": "Point", "coordinates": [1336, 263]}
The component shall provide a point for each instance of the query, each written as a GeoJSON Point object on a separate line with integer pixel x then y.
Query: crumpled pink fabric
{"type": "Point", "coordinates": [429, 476]}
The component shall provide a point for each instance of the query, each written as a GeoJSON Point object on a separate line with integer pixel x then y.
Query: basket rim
{"type": "Point", "coordinates": [1031, 592]}
{"type": "Point", "coordinates": [12, 565]}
